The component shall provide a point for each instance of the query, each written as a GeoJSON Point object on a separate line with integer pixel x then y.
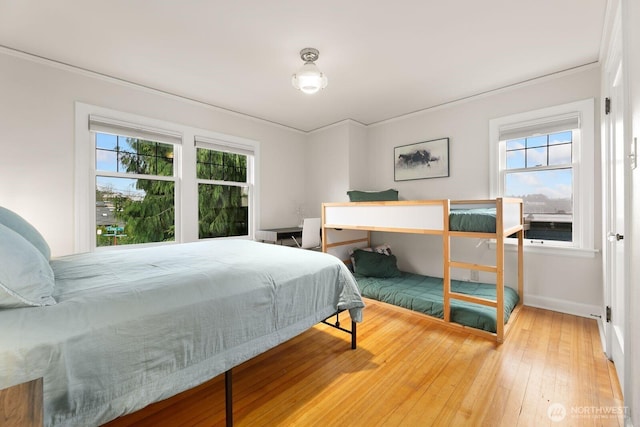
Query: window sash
{"type": "Point", "coordinates": [237, 170]}
{"type": "Point", "coordinates": [233, 147]}
{"type": "Point", "coordinates": [130, 175]}
{"type": "Point", "coordinates": [138, 154]}
{"type": "Point", "coordinates": [158, 233]}
{"type": "Point", "coordinates": [161, 228]}
{"type": "Point", "coordinates": [240, 213]}
{"type": "Point", "coordinates": [552, 153]}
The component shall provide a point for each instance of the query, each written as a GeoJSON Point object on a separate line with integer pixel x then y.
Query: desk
{"type": "Point", "coordinates": [280, 235]}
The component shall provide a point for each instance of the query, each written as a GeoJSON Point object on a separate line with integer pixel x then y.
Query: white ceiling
{"type": "Point", "coordinates": [383, 58]}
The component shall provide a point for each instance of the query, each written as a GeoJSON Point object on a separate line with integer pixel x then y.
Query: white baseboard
{"type": "Point", "coordinates": [563, 306]}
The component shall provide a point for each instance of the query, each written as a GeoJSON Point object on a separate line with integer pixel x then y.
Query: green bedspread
{"type": "Point", "coordinates": [424, 294]}
{"type": "Point", "coordinates": [478, 220]}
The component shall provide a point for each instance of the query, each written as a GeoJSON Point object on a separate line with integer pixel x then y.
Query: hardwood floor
{"type": "Point", "coordinates": [410, 371]}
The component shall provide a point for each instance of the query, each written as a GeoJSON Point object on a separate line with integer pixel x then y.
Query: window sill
{"type": "Point", "coordinates": [549, 249]}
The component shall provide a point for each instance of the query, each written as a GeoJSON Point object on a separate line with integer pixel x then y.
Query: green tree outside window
{"type": "Point", "coordinates": [133, 210]}
{"type": "Point", "coordinates": [223, 194]}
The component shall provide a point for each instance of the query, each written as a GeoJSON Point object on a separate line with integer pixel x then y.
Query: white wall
{"type": "Point", "coordinates": [336, 158]}
{"type": "Point", "coordinates": [358, 169]}
{"type": "Point", "coordinates": [37, 142]}
{"type": "Point", "coordinates": [564, 283]}
{"type": "Point", "coordinates": [327, 160]}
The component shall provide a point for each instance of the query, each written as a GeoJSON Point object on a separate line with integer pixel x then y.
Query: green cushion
{"type": "Point", "coordinates": [373, 196]}
{"type": "Point", "coordinates": [373, 264]}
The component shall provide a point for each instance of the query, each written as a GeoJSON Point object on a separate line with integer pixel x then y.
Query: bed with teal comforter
{"type": "Point", "coordinates": [425, 295]}
{"type": "Point", "coordinates": [135, 326]}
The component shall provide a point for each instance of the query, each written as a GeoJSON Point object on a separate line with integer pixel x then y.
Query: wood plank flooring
{"type": "Point", "coordinates": [410, 371]}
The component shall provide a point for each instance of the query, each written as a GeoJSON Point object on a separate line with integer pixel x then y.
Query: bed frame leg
{"type": "Point", "coordinates": [228, 397]}
{"type": "Point", "coordinates": [337, 326]}
{"type": "Point", "coordinates": [353, 335]}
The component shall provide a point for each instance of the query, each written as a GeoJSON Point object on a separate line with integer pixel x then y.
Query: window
{"type": "Point", "coordinates": [539, 170]}
{"type": "Point", "coordinates": [138, 181]}
{"type": "Point", "coordinates": [545, 157]}
{"type": "Point", "coordinates": [135, 190]}
{"type": "Point", "coordinates": [223, 176]}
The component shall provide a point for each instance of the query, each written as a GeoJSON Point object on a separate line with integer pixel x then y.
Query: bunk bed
{"type": "Point", "coordinates": [348, 226]}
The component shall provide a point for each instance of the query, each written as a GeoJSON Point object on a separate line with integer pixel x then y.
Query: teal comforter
{"type": "Point", "coordinates": [135, 326]}
{"type": "Point", "coordinates": [478, 220]}
{"type": "Point", "coordinates": [425, 295]}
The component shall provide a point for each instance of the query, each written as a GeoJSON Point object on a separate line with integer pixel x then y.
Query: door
{"type": "Point", "coordinates": [614, 208]}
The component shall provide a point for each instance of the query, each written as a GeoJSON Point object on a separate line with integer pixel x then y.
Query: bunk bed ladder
{"type": "Point", "coordinates": [498, 269]}
{"type": "Point", "coordinates": [446, 255]}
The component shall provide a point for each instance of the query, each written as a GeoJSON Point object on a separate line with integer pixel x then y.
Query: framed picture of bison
{"type": "Point", "coordinates": [428, 159]}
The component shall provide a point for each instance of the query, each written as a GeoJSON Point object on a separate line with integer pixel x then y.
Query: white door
{"type": "Point", "coordinates": [614, 210]}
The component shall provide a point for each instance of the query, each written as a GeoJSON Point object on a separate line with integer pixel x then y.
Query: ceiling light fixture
{"type": "Point", "coordinates": [309, 79]}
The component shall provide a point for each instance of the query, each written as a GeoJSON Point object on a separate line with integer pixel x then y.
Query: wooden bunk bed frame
{"type": "Point", "coordinates": [349, 225]}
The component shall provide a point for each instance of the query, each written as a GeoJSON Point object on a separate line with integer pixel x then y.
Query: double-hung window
{"type": "Point", "coordinates": [146, 181]}
{"type": "Point", "coordinates": [545, 157]}
{"type": "Point", "coordinates": [223, 173]}
{"type": "Point", "coordinates": [135, 183]}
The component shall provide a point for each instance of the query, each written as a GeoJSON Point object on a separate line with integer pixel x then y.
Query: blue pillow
{"type": "Point", "coordinates": [26, 230]}
{"type": "Point", "coordinates": [26, 278]}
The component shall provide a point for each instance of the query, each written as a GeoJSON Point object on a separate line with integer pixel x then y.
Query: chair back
{"type": "Point", "coordinates": [310, 233]}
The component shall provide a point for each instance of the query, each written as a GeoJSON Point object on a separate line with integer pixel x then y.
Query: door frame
{"type": "Point", "coordinates": [613, 342]}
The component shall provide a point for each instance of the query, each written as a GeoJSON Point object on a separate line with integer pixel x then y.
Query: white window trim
{"type": "Point", "coordinates": [186, 215]}
{"type": "Point", "coordinates": [583, 162]}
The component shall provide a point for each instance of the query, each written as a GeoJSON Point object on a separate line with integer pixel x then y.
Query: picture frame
{"type": "Point", "coordinates": [421, 160]}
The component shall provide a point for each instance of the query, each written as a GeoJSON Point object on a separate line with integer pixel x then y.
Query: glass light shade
{"type": "Point", "coordinates": [309, 79]}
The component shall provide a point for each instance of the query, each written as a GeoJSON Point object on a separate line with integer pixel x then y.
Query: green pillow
{"type": "Point", "coordinates": [373, 264]}
{"type": "Point", "coordinates": [373, 196]}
